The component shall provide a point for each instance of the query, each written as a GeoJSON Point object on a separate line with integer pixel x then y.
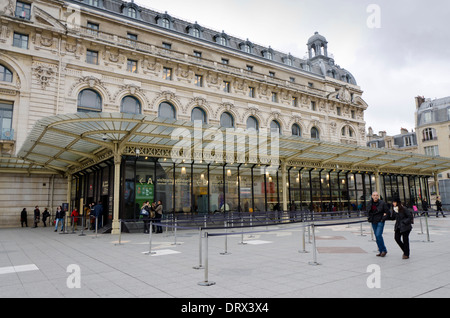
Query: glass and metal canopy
{"type": "Point", "coordinates": [70, 143]}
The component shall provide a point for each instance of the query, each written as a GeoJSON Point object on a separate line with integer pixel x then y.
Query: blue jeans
{"type": "Point", "coordinates": [58, 221]}
{"type": "Point", "coordinates": [378, 232]}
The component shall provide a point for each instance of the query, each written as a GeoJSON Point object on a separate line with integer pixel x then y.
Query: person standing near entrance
{"type": "Point", "coordinates": [402, 227]}
{"type": "Point", "coordinates": [158, 215]}
{"type": "Point", "coordinates": [377, 211]}
{"type": "Point", "coordinates": [24, 217]}
{"type": "Point", "coordinates": [59, 218]}
{"type": "Point", "coordinates": [37, 216]}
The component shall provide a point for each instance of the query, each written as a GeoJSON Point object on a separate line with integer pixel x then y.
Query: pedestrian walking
{"type": "Point", "coordinates": [377, 211]}
{"type": "Point", "coordinates": [24, 217]}
{"type": "Point", "coordinates": [59, 218]}
{"type": "Point", "coordinates": [425, 207]}
{"type": "Point", "coordinates": [439, 207]}
{"type": "Point", "coordinates": [158, 216]}
{"type": "Point", "coordinates": [402, 227]}
{"type": "Point", "coordinates": [45, 216]}
{"type": "Point", "coordinates": [37, 216]}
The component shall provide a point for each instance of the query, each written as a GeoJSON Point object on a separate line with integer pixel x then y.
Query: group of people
{"type": "Point", "coordinates": [94, 211]}
{"type": "Point", "coordinates": [378, 212]}
{"type": "Point", "coordinates": [152, 212]}
{"type": "Point", "coordinates": [36, 216]}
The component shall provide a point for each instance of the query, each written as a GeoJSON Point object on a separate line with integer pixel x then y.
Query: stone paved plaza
{"type": "Point", "coordinates": [37, 262]}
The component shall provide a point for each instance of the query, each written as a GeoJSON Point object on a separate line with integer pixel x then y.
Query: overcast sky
{"type": "Point", "coordinates": [395, 56]}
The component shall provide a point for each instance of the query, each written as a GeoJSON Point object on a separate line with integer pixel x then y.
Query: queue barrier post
{"type": "Point", "coordinates": [225, 252]}
{"type": "Point", "coordinates": [206, 282]}
{"type": "Point", "coordinates": [314, 262]}
{"type": "Point", "coordinates": [150, 241]}
{"type": "Point", "coordinates": [200, 266]}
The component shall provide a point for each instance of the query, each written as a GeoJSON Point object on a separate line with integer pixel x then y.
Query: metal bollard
{"type": "Point", "coordinates": [82, 226]}
{"type": "Point", "coordinates": [428, 231]}
{"type": "Point", "coordinates": [175, 234]}
{"type": "Point", "coordinates": [303, 241]}
{"type": "Point", "coordinates": [226, 240]}
{"type": "Point", "coordinates": [150, 241]}
{"type": "Point", "coordinates": [206, 282]}
{"type": "Point", "coordinates": [242, 233]}
{"type": "Point", "coordinates": [200, 266]}
{"type": "Point", "coordinates": [314, 262]}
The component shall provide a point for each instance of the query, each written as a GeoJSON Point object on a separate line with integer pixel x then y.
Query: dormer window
{"type": "Point", "coordinates": [165, 20]}
{"type": "Point", "coordinates": [268, 54]}
{"type": "Point", "coordinates": [222, 39]}
{"type": "Point", "coordinates": [131, 12]}
{"type": "Point", "coordinates": [195, 30]}
{"type": "Point", "coordinates": [165, 23]}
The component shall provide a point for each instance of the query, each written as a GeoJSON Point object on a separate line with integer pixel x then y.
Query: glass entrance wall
{"type": "Point", "coordinates": [197, 187]}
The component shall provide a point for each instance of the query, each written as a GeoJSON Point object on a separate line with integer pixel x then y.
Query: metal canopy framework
{"type": "Point", "coordinates": [67, 144]}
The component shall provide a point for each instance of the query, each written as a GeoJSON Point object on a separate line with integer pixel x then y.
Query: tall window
{"type": "Point", "coordinates": [132, 66]}
{"type": "Point", "coordinates": [130, 105]}
{"type": "Point", "coordinates": [166, 110]}
{"type": "Point", "coordinates": [23, 10]}
{"type": "Point", "coordinates": [226, 120]}
{"type": "Point", "coordinates": [20, 40]}
{"type": "Point", "coordinates": [92, 57]}
{"type": "Point", "coordinates": [89, 101]}
{"type": "Point", "coordinates": [252, 123]}
{"type": "Point", "coordinates": [432, 151]}
{"type": "Point", "coordinates": [6, 112]}
{"type": "Point", "coordinates": [296, 131]}
{"type": "Point", "coordinates": [5, 74]}
{"type": "Point", "coordinates": [275, 127]}
{"type": "Point", "coordinates": [167, 73]}
{"type": "Point", "coordinates": [226, 86]}
{"type": "Point", "coordinates": [198, 80]}
{"type": "Point", "coordinates": [429, 134]}
{"type": "Point", "coordinates": [198, 114]}
{"type": "Point", "coordinates": [315, 133]}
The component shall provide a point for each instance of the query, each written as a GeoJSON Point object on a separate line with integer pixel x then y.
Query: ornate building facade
{"type": "Point", "coordinates": [90, 57]}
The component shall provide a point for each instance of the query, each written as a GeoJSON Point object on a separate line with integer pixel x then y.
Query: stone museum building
{"type": "Point", "coordinates": [107, 101]}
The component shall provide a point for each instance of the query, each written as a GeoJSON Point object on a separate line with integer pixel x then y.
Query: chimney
{"type": "Point", "coordinates": [419, 101]}
{"type": "Point", "coordinates": [403, 131]}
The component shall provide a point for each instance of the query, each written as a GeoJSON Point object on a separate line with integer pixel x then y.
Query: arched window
{"type": "Point", "coordinates": [315, 133]}
{"type": "Point", "coordinates": [166, 110]}
{"type": "Point", "coordinates": [5, 74]}
{"type": "Point", "coordinates": [252, 123]}
{"type": "Point", "coordinates": [131, 12]}
{"type": "Point", "coordinates": [296, 131]}
{"type": "Point", "coordinates": [226, 120]}
{"type": "Point", "coordinates": [89, 101]}
{"type": "Point", "coordinates": [196, 32]}
{"type": "Point", "coordinates": [130, 105]}
{"type": "Point", "coordinates": [198, 114]}
{"type": "Point", "coordinates": [275, 127]}
{"type": "Point", "coordinates": [165, 23]}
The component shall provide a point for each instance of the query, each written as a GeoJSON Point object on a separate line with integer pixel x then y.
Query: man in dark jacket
{"type": "Point", "coordinates": [378, 210]}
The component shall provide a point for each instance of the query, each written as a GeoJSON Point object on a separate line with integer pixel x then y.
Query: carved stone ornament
{"type": "Point", "coordinates": [44, 75]}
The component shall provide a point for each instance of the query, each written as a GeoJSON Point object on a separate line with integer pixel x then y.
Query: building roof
{"type": "Point", "coordinates": [181, 27]}
{"type": "Point", "coordinates": [70, 143]}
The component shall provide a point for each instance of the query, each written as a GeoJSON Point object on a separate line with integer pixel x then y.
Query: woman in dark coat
{"type": "Point", "coordinates": [23, 217]}
{"type": "Point", "coordinates": [403, 226]}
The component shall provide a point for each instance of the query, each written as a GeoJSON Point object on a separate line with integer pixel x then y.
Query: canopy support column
{"type": "Point", "coordinates": [117, 162]}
